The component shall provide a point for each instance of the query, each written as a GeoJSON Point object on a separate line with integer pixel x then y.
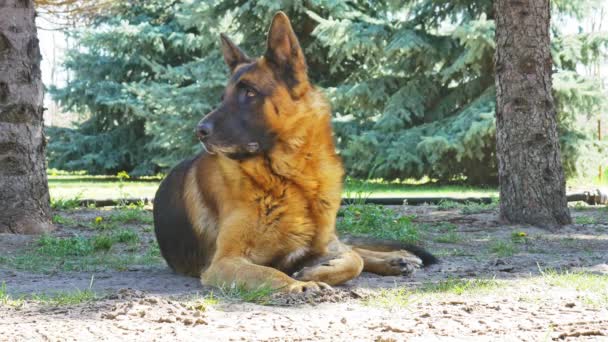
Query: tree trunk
{"type": "Point", "coordinates": [531, 176]}
{"type": "Point", "coordinates": [24, 193]}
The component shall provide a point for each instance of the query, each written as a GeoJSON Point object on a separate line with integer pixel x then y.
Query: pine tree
{"type": "Point", "coordinates": [411, 82]}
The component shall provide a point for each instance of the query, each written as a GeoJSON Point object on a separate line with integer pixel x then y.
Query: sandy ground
{"type": "Point", "coordinates": [150, 303]}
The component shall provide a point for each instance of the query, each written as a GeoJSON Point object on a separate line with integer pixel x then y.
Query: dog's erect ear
{"type": "Point", "coordinates": [283, 48]}
{"type": "Point", "coordinates": [233, 55]}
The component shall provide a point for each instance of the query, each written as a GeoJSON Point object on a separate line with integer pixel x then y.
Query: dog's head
{"type": "Point", "coordinates": [263, 97]}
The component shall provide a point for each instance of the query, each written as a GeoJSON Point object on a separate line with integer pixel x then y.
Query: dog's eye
{"type": "Point", "coordinates": [250, 92]}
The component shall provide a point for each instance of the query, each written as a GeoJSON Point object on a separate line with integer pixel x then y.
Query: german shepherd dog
{"type": "Point", "coordinates": [258, 206]}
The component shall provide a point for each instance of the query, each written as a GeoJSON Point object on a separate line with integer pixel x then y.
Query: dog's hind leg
{"type": "Point", "coordinates": [400, 262]}
{"type": "Point", "coordinates": [341, 265]}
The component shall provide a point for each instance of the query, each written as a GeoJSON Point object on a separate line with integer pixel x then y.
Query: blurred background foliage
{"type": "Point", "coordinates": [411, 83]}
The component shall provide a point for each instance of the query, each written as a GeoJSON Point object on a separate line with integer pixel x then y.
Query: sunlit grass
{"type": "Point", "coordinates": [67, 187]}
{"type": "Point", "coordinates": [56, 298]}
{"type": "Point", "coordinates": [402, 296]}
{"type": "Point", "coordinates": [260, 295]}
{"type": "Point", "coordinates": [593, 287]}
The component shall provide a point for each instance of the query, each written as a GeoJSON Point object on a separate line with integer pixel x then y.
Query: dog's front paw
{"type": "Point", "coordinates": [307, 286]}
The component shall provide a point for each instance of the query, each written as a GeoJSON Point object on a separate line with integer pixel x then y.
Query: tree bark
{"type": "Point", "coordinates": [24, 194]}
{"type": "Point", "coordinates": [531, 176]}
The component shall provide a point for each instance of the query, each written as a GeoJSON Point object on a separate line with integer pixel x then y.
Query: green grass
{"type": "Point", "coordinates": [52, 254]}
{"type": "Point", "coordinates": [503, 248]}
{"type": "Point", "coordinates": [447, 233]}
{"type": "Point", "coordinates": [102, 242]}
{"type": "Point", "coordinates": [412, 188]}
{"type": "Point", "coordinates": [125, 236]}
{"type": "Point", "coordinates": [6, 299]}
{"type": "Point", "coordinates": [62, 247]}
{"type": "Point", "coordinates": [65, 298]}
{"type": "Point", "coordinates": [452, 252]}
{"type": "Point", "coordinates": [569, 242]}
{"type": "Point", "coordinates": [461, 286]}
{"type": "Point", "coordinates": [469, 208]}
{"type": "Point", "coordinates": [70, 187]}
{"type": "Point", "coordinates": [122, 216]}
{"type": "Point", "coordinates": [59, 219]}
{"type": "Point", "coordinates": [388, 298]}
{"type": "Point", "coordinates": [593, 287]}
{"type": "Point", "coordinates": [377, 221]}
{"type": "Point", "coordinates": [584, 220]}
{"type": "Point", "coordinates": [70, 203]}
{"type": "Point", "coordinates": [261, 295]}
{"type": "Point", "coordinates": [203, 303]}
{"type": "Point", "coordinates": [59, 298]}
{"type": "Point", "coordinates": [131, 215]}
{"type": "Point", "coordinates": [448, 237]}
{"type": "Point", "coordinates": [519, 237]}
{"type": "Point", "coordinates": [402, 297]}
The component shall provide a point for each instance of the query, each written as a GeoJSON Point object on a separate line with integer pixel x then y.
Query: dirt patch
{"type": "Point", "coordinates": [493, 282]}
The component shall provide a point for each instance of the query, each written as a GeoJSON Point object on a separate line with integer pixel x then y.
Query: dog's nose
{"type": "Point", "coordinates": [204, 129]}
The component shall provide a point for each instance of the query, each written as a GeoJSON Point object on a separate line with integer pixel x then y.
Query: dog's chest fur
{"type": "Point", "coordinates": [284, 214]}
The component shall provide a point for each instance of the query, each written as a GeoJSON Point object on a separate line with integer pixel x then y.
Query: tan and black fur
{"type": "Point", "coordinates": [258, 206]}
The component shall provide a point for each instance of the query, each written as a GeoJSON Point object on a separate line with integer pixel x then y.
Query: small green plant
{"type": "Point", "coordinates": [101, 223]}
{"type": "Point", "coordinates": [81, 254]}
{"type": "Point", "coordinates": [569, 242]}
{"type": "Point", "coordinates": [448, 205]}
{"type": "Point", "coordinates": [65, 298]}
{"type": "Point", "coordinates": [452, 252]}
{"type": "Point", "coordinates": [503, 248]}
{"type": "Point", "coordinates": [448, 237]}
{"type": "Point", "coordinates": [122, 177]}
{"type": "Point", "coordinates": [593, 287]}
{"type": "Point", "coordinates": [131, 214]}
{"type": "Point", "coordinates": [154, 249]}
{"type": "Point", "coordinates": [584, 220]}
{"type": "Point", "coordinates": [358, 190]}
{"type": "Point", "coordinates": [448, 233]}
{"type": "Point", "coordinates": [581, 206]}
{"type": "Point", "coordinates": [471, 208]}
{"type": "Point", "coordinates": [66, 203]}
{"type": "Point", "coordinates": [102, 242]}
{"type": "Point", "coordinates": [260, 295]}
{"type": "Point", "coordinates": [7, 300]}
{"type": "Point", "coordinates": [3, 294]}
{"type": "Point", "coordinates": [460, 286]}
{"type": "Point", "coordinates": [390, 298]}
{"type": "Point", "coordinates": [519, 237]}
{"type": "Point", "coordinates": [468, 208]}
{"type": "Point", "coordinates": [125, 236]}
{"type": "Point", "coordinates": [377, 221]}
{"type": "Point", "coordinates": [201, 304]}
{"type": "Point", "coordinates": [58, 219]}
{"type": "Point", "coordinates": [72, 246]}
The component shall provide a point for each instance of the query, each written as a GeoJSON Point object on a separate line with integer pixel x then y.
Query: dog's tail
{"type": "Point", "coordinates": [380, 245]}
